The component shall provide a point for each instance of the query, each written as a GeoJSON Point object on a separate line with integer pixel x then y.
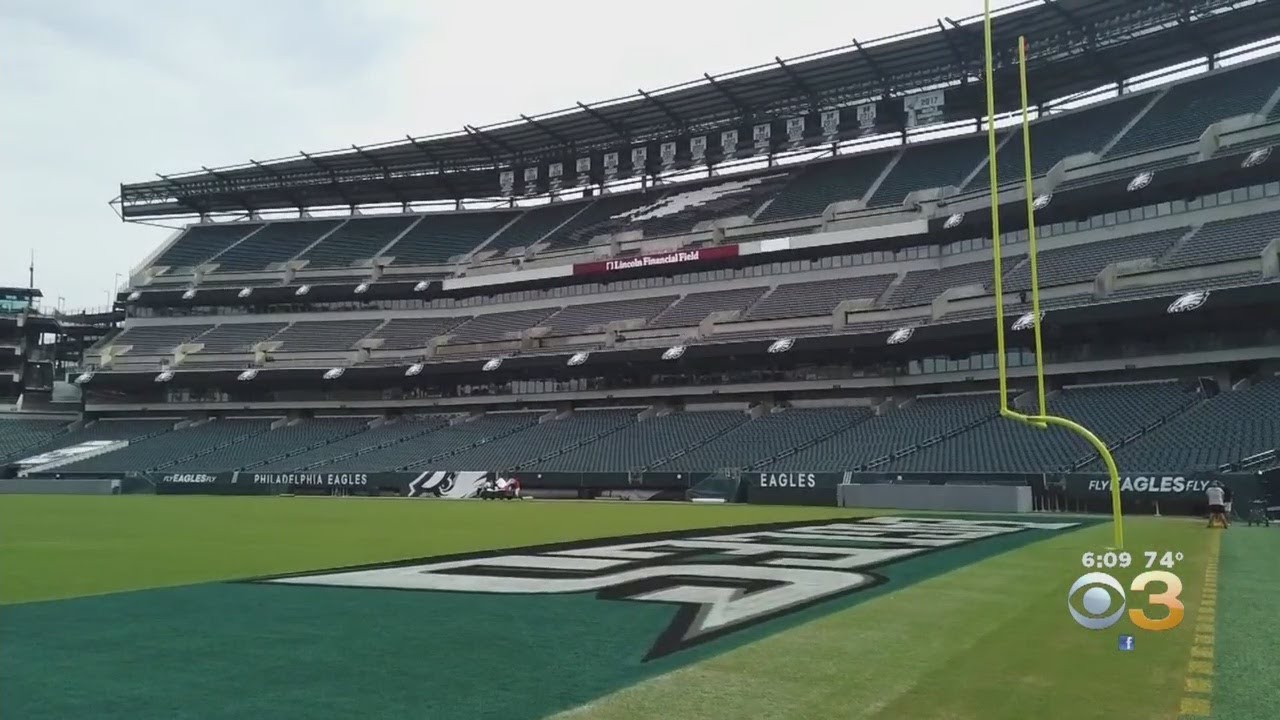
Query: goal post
{"type": "Point", "coordinates": [1041, 419]}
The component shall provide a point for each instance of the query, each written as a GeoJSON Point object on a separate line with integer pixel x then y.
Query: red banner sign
{"type": "Point", "coordinates": [719, 252]}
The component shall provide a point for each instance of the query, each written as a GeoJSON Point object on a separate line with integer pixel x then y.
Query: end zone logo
{"type": "Point", "coordinates": [720, 581]}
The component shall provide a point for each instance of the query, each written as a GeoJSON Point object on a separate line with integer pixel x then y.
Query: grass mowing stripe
{"type": "Point", "coordinates": [1247, 678]}
{"type": "Point", "coordinates": [987, 641]}
{"type": "Point", "coordinates": [71, 546]}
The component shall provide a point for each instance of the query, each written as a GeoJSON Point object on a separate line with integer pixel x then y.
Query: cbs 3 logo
{"type": "Point", "coordinates": [1104, 601]}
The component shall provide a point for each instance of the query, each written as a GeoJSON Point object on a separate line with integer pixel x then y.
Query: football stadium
{"type": "Point", "coordinates": [893, 381]}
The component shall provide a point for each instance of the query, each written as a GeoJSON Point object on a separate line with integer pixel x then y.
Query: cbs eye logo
{"type": "Point", "coordinates": [1104, 601]}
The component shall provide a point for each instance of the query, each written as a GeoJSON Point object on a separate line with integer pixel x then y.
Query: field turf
{"type": "Point", "coordinates": [121, 607]}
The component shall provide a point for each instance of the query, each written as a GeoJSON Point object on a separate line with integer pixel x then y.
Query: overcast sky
{"type": "Point", "coordinates": [98, 92]}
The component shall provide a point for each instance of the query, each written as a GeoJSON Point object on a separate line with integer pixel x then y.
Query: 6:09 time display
{"type": "Point", "coordinates": [1108, 560]}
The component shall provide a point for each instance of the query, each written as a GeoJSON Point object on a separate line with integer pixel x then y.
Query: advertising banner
{"type": "Point", "coordinates": [792, 488]}
{"type": "Point", "coordinates": [719, 252]}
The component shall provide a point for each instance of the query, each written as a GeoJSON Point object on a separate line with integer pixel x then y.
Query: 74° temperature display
{"type": "Point", "coordinates": [1111, 559]}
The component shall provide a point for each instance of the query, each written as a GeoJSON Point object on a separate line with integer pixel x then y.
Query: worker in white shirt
{"type": "Point", "coordinates": [1217, 504]}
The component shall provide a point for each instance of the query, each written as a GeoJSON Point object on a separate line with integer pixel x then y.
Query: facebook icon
{"type": "Point", "coordinates": [1126, 642]}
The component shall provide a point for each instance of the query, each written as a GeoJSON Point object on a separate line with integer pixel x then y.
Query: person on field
{"type": "Point", "coordinates": [1217, 505]}
{"type": "Point", "coordinates": [1226, 501]}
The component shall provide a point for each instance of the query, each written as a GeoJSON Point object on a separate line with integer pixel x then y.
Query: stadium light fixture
{"type": "Point", "coordinates": [362, 288]}
{"type": "Point", "coordinates": [674, 352]}
{"type": "Point", "coordinates": [190, 293]}
{"type": "Point", "coordinates": [578, 359]}
{"type": "Point", "coordinates": [1257, 157]}
{"type": "Point", "coordinates": [303, 290]}
{"type": "Point", "coordinates": [1043, 201]}
{"type": "Point", "coordinates": [1193, 300]}
{"type": "Point", "coordinates": [1027, 321]}
{"type": "Point", "coordinates": [135, 295]}
{"type": "Point", "coordinates": [493, 364]}
{"type": "Point", "coordinates": [247, 375]}
{"type": "Point", "coordinates": [953, 221]}
{"type": "Point", "coordinates": [84, 377]}
{"type": "Point", "coordinates": [164, 377]}
{"type": "Point", "coordinates": [415, 369]}
{"type": "Point", "coordinates": [900, 336]}
{"type": "Point", "coordinates": [421, 286]}
{"type": "Point", "coordinates": [334, 373]}
{"type": "Point", "coordinates": [245, 292]}
{"type": "Point", "coordinates": [781, 345]}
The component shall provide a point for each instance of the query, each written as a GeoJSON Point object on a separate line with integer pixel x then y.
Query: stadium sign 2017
{"type": "Point", "coordinates": [719, 581]}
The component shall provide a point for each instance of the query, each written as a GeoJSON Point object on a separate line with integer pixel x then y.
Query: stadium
{"type": "Point", "coordinates": [736, 342]}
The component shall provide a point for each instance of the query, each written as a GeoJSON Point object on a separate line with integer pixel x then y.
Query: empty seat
{"type": "Point", "coordinates": [579, 319]}
{"type": "Point", "coordinates": [931, 166]}
{"type": "Point", "coordinates": [819, 297]}
{"type": "Point", "coordinates": [814, 187]}
{"type": "Point", "coordinates": [695, 307]}
{"type": "Point", "coordinates": [285, 440]}
{"type": "Point", "coordinates": [1227, 428]}
{"type": "Point", "coordinates": [157, 339]}
{"type": "Point", "coordinates": [275, 243]}
{"type": "Point", "coordinates": [920, 287]}
{"type": "Point", "coordinates": [538, 440]}
{"type": "Point", "coordinates": [357, 444]}
{"type": "Point", "coordinates": [763, 438]}
{"type": "Point", "coordinates": [324, 335]}
{"type": "Point", "coordinates": [645, 443]}
{"type": "Point", "coordinates": [1000, 445]}
{"type": "Point", "coordinates": [498, 326]}
{"type": "Point", "coordinates": [1241, 238]}
{"type": "Point", "coordinates": [1187, 109]}
{"type": "Point", "coordinates": [533, 225]}
{"type": "Point", "coordinates": [422, 451]}
{"type": "Point", "coordinates": [1082, 263]}
{"type": "Point", "coordinates": [201, 242]}
{"type": "Point", "coordinates": [438, 237]}
{"type": "Point", "coordinates": [167, 449]}
{"type": "Point", "coordinates": [357, 239]}
{"type": "Point", "coordinates": [238, 337]}
{"type": "Point", "coordinates": [410, 333]}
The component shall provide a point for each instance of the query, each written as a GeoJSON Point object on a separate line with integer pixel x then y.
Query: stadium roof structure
{"type": "Point", "coordinates": [1075, 46]}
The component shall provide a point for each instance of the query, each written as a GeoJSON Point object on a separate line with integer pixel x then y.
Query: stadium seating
{"type": "Point", "coordinates": [695, 307]}
{"type": "Point", "coordinates": [999, 445]}
{"type": "Point", "coordinates": [185, 444]}
{"type": "Point", "coordinates": [1226, 428]}
{"type": "Point", "coordinates": [600, 217]}
{"type": "Point", "coordinates": [764, 438]}
{"type": "Point", "coordinates": [410, 333]}
{"type": "Point", "coordinates": [920, 287]}
{"type": "Point", "coordinates": [578, 319]}
{"type": "Point", "coordinates": [157, 339]}
{"type": "Point", "coordinates": [201, 242]}
{"type": "Point", "coordinates": [320, 336]}
{"type": "Point", "coordinates": [360, 238]}
{"type": "Point", "coordinates": [275, 243]}
{"type": "Point", "coordinates": [1187, 109]}
{"type": "Point", "coordinates": [354, 445]}
{"type": "Point", "coordinates": [498, 326]}
{"type": "Point", "coordinates": [17, 436]}
{"type": "Point", "coordinates": [539, 440]}
{"type": "Point", "coordinates": [1058, 137]}
{"type": "Point", "coordinates": [814, 187]}
{"type": "Point", "coordinates": [896, 430]}
{"type": "Point", "coordinates": [817, 298]}
{"type": "Point", "coordinates": [646, 443]}
{"type": "Point", "coordinates": [238, 337]}
{"type": "Point", "coordinates": [933, 165]}
{"type": "Point", "coordinates": [427, 450]}
{"type": "Point", "coordinates": [289, 439]}
{"type": "Point", "coordinates": [1082, 263]}
{"type": "Point", "coordinates": [1224, 240]}
{"type": "Point", "coordinates": [438, 237]}
{"type": "Point", "coordinates": [533, 225]}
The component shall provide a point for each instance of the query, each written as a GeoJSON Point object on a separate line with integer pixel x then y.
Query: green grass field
{"type": "Point", "coordinates": [127, 607]}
